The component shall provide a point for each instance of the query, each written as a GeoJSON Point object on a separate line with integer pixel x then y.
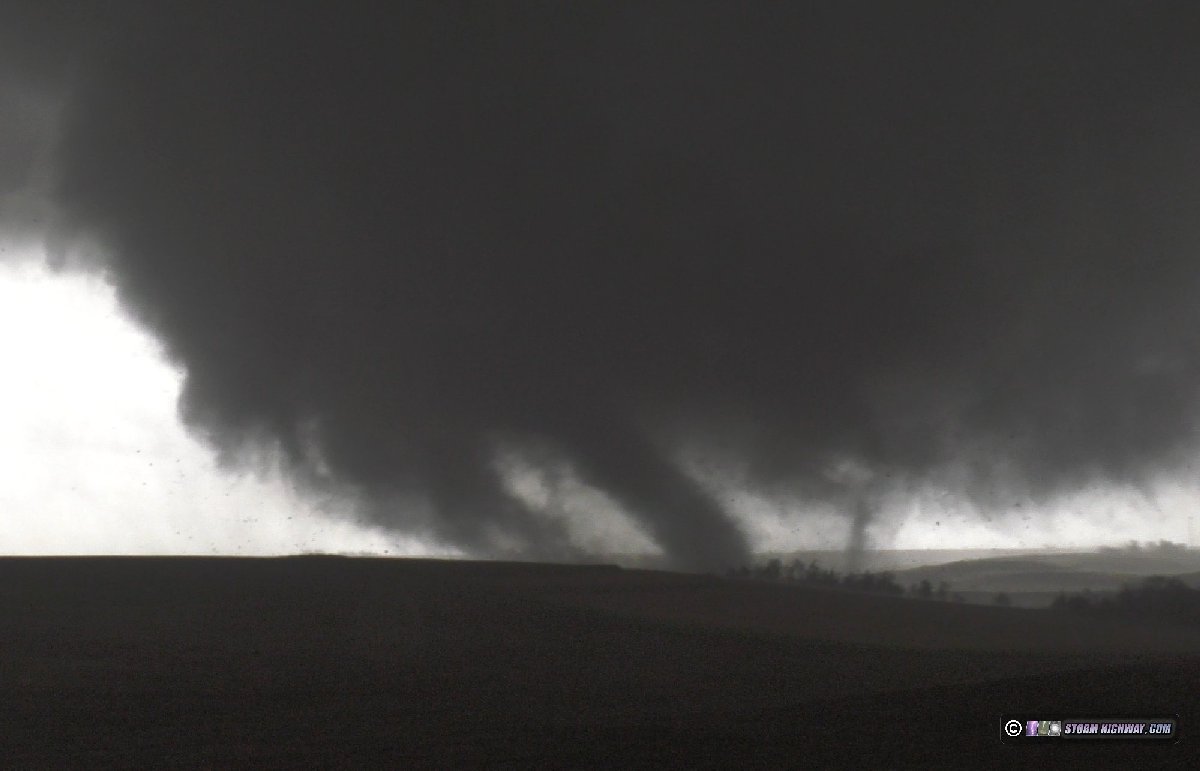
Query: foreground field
{"type": "Point", "coordinates": [345, 662]}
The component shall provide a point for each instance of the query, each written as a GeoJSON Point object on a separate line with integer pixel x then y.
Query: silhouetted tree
{"type": "Point", "coordinates": [1072, 602]}
{"type": "Point", "coordinates": [817, 575]}
{"type": "Point", "coordinates": [774, 570]}
{"type": "Point", "coordinates": [886, 583]}
{"type": "Point", "coordinates": [1002, 599]}
{"type": "Point", "coordinates": [1158, 597]}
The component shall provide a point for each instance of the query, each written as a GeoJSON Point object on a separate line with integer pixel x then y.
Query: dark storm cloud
{"type": "Point", "coordinates": [907, 237]}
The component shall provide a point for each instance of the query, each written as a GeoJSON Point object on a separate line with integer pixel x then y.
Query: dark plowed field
{"type": "Point", "coordinates": [345, 662]}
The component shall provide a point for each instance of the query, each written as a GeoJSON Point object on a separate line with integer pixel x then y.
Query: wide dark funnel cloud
{"type": "Point", "coordinates": [934, 241]}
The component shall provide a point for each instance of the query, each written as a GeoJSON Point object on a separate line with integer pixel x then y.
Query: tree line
{"type": "Point", "coordinates": [864, 581]}
{"type": "Point", "coordinates": [1156, 597]}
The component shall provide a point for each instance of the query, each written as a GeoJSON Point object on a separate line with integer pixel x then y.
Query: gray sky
{"type": "Point", "coordinates": [542, 279]}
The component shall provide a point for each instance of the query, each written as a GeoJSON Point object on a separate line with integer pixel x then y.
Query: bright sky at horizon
{"type": "Point", "coordinates": [94, 458]}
